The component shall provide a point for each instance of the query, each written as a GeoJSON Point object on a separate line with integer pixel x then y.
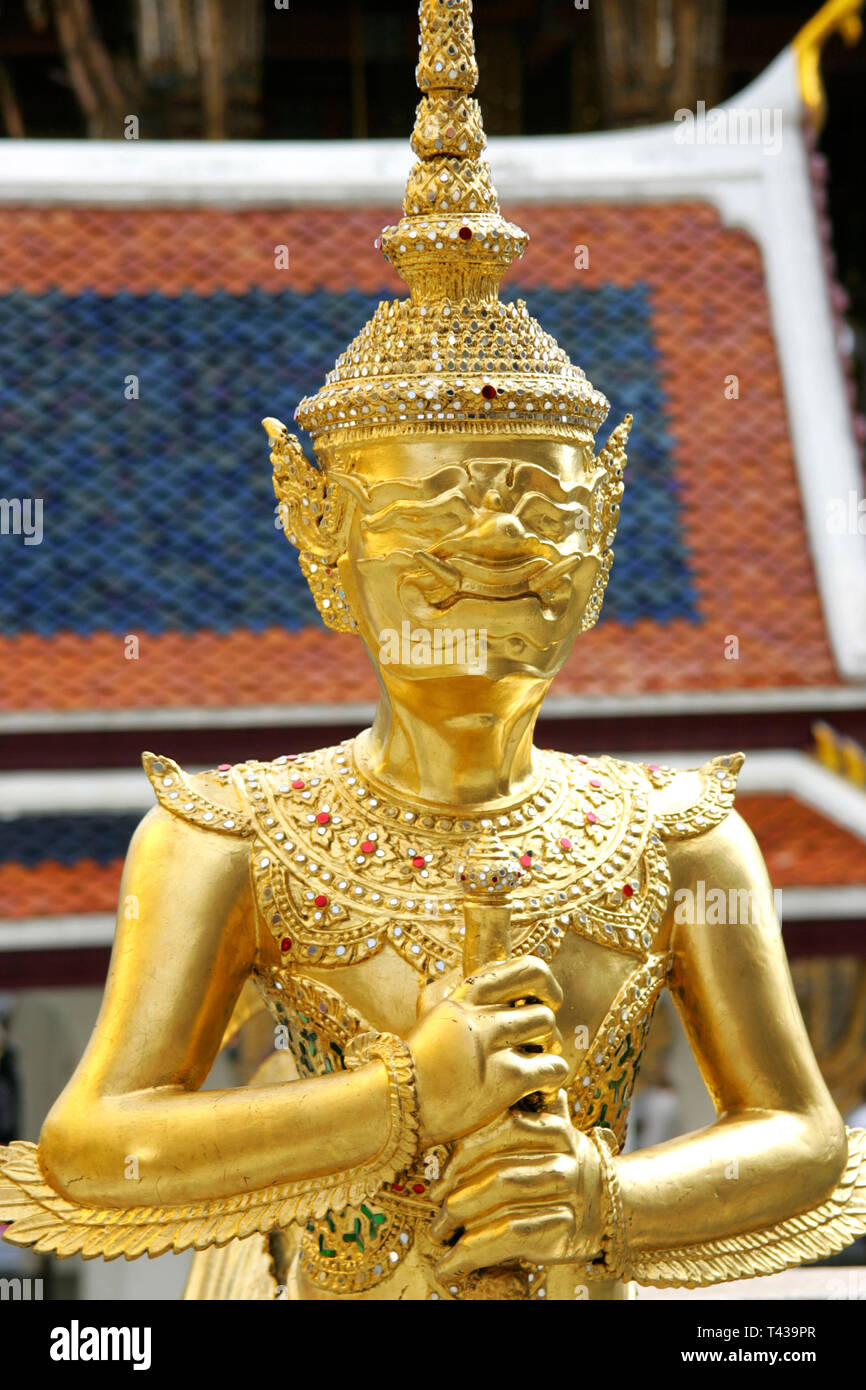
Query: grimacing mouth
{"type": "Point", "coordinates": [463, 503]}
{"type": "Point", "coordinates": [500, 581]}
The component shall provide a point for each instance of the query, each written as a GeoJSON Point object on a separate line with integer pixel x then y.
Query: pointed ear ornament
{"type": "Point", "coordinates": [315, 518]}
{"type": "Point", "coordinates": [607, 490]}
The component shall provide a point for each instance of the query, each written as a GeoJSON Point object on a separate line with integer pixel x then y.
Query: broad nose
{"type": "Point", "coordinates": [497, 530]}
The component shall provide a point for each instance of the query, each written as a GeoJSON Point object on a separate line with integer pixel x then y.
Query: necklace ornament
{"type": "Point", "coordinates": [339, 874]}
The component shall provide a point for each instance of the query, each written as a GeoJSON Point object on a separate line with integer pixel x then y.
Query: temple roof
{"type": "Point", "coordinates": [158, 513]}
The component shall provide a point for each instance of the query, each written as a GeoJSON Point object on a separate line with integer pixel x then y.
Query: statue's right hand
{"type": "Point", "coordinates": [470, 1063]}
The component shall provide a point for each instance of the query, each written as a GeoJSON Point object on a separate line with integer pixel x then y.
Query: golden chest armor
{"type": "Point", "coordinates": [341, 871]}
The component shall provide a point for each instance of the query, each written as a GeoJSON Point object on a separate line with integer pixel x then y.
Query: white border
{"type": "Point", "coordinates": [97, 929]}
{"type": "Point", "coordinates": [780, 771]}
{"type": "Point", "coordinates": [784, 771]}
{"type": "Point", "coordinates": [57, 933]}
{"type": "Point", "coordinates": [820, 700]}
{"type": "Point", "coordinates": [768, 195]}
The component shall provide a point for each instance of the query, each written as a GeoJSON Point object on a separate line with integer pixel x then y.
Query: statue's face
{"type": "Point", "coordinates": [469, 556]}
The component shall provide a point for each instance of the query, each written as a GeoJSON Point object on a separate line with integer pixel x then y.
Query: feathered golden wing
{"type": "Point", "coordinates": [45, 1219]}
{"type": "Point", "coordinates": [49, 1222]}
{"type": "Point", "coordinates": [813, 1235]}
{"type": "Point", "coordinates": [242, 1272]}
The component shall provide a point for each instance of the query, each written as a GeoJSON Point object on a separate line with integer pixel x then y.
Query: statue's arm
{"type": "Point", "coordinates": [176, 971]}
{"type": "Point", "coordinates": [772, 1183]}
{"type": "Point", "coordinates": [778, 1147]}
{"type": "Point", "coordinates": [134, 1158]}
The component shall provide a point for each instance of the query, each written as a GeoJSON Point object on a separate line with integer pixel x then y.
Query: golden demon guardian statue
{"type": "Point", "coordinates": [461, 938]}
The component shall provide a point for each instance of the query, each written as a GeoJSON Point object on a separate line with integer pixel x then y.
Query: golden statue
{"type": "Point", "coordinates": [460, 938]}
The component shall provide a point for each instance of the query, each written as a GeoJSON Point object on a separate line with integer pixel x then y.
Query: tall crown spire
{"type": "Point", "coordinates": [448, 135]}
{"type": "Point", "coordinates": [450, 181]}
{"type": "Point", "coordinates": [452, 357]}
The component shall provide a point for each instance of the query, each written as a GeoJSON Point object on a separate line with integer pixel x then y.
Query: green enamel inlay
{"type": "Point", "coordinates": [375, 1219]}
{"type": "Point", "coordinates": [355, 1234]}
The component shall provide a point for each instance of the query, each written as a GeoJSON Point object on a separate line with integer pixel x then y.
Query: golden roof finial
{"type": "Point", "coordinates": [835, 17]}
{"type": "Point", "coordinates": [841, 755]}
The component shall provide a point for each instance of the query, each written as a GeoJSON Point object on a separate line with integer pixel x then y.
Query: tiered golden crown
{"type": "Point", "coordinates": [451, 356]}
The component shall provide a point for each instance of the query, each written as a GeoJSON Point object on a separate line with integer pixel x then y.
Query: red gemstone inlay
{"type": "Point", "coordinates": [581, 758]}
{"type": "Point", "coordinates": [526, 861]}
{"type": "Point", "coordinates": [224, 767]}
{"type": "Point", "coordinates": [299, 784]}
{"type": "Point", "coordinates": [628, 891]}
{"type": "Point", "coordinates": [417, 1187]}
{"type": "Point", "coordinates": [595, 782]}
{"type": "Point", "coordinates": [418, 861]}
{"type": "Point", "coordinates": [565, 843]}
{"type": "Point", "coordinates": [320, 900]}
{"type": "Point", "coordinates": [367, 846]}
{"type": "Point", "coordinates": [465, 234]}
{"type": "Point", "coordinates": [322, 817]}
{"type": "Point", "coordinates": [397, 1187]}
{"type": "Point", "coordinates": [653, 767]}
{"type": "Point", "coordinates": [488, 392]}
{"type": "Point", "coordinates": [286, 943]}
{"type": "Point", "coordinates": [591, 817]}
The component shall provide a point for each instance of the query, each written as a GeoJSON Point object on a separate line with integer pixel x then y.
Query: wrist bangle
{"type": "Point", "coordinates": [401, 1146]}
{"type": "Point", "coordinates": [614, 1257]}
{"type": "Point", "coordinates": [39, 1213]}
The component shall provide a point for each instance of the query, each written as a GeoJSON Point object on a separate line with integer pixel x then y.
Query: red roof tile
{"type": "Point", "coordinates": [739, 498]}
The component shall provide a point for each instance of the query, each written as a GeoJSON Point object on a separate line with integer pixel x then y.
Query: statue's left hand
{"type": "Point", "coordinates": [526, 1187]}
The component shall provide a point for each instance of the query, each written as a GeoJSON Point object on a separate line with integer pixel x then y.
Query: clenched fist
{"type": "Point", "coordinates": [528, 1187]}
{"type": "Point", "coordinates": [470, 1062]}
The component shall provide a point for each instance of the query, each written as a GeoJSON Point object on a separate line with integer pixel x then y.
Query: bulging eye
{"type": "Point", "coordinates": [555, 526]}
{"type": "Point", "coordinates": [413, 523]}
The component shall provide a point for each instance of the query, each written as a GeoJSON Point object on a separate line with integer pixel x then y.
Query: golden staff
{"type": "Point", "coordinates": [486, 877]}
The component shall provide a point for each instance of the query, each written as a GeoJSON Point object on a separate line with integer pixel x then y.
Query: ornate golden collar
{"type": "Point", "coordinates": [340, 871]}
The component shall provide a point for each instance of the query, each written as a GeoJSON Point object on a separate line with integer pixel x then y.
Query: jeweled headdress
{"type": "Point", "coordinates": [452, 357]}
{"type": "Point", "coordinates": [452, 354]}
